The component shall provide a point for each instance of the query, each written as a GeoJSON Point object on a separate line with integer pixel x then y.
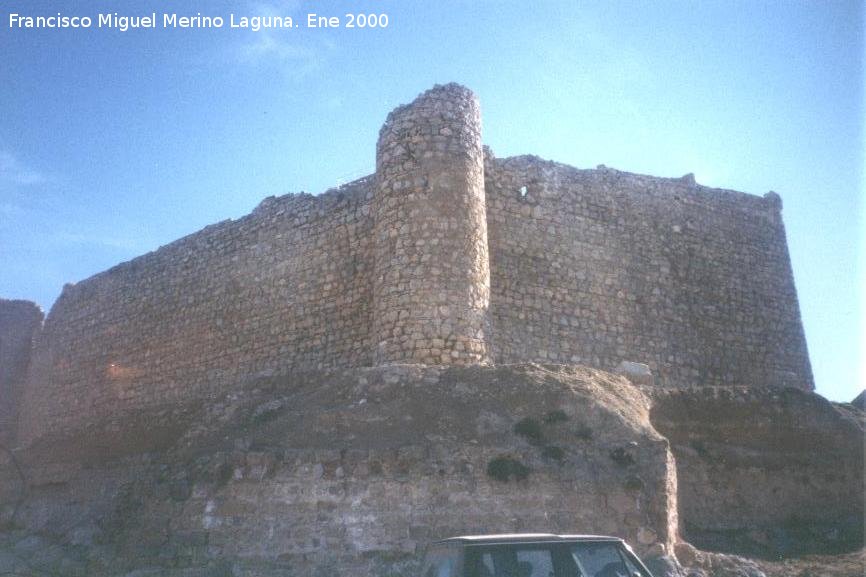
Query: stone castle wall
{"type": "Point", "coordinates": [289, 285]}
{"type": "Point", "coordinates": [20, 322]}
{"type": "Point", "coordinates": [422, 263]}
{"type": "Point", "coordinates": [600, 266]}
{"type": "Point", "coordinates": [432, 285]}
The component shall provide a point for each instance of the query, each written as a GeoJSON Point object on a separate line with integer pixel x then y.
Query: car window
{"type": "Point", "coordinates": [445, 568]}
{"type": "Point", "coordinates": [440, 563]}
{"type": "Point", "coordinates": [535, 563]}
{"type": "Point", "coordinates": [600, 560]}
{"type": "Point", "coordinates": [513, 561]}
{"type": "Point", "coordinates": [485, 566]}
{"type": "Point", "coordinates": [632, 568]}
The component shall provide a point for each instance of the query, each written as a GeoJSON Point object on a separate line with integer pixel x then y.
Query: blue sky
{"type": "Point", "coordinates": [114, 143]}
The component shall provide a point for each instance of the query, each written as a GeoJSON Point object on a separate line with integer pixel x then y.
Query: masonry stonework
{"type": "Point", "coordinates": [432, 287]}
{"type": "Point", "coordinates": [446, 255]}
{"type": "Point", "coordinates": [288, 286]}
{"type": "Point", "coordinates": [20, 322]}
{"type": "Point", "coordinates": [601, 266]}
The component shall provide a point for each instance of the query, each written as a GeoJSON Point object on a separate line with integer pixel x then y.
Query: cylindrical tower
{"type": "Point", "coordinates": [432, 277]}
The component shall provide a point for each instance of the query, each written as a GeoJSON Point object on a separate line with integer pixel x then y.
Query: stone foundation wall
{"type": "Point", "coordinates": [355, 472]}
{"type": "Point", "coordinates": [601, 266]}
{"type": "Point", "coordinates": [289, 285]}
{"type": "Point", "coordinates": [765, 472]}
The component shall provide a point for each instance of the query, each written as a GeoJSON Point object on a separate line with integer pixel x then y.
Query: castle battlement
{"type": "Point", "coordinates": [446, 255]}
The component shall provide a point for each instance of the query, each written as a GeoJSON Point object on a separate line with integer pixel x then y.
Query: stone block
{"type": "Point", "coordinates": [637, 373]}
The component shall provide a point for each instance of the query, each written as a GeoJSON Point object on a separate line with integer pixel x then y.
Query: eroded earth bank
{"type": "Point", "coordinates": [354, 472]}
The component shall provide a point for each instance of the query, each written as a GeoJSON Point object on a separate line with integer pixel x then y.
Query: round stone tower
{"type": "Point", "coordinates": [432, 278]}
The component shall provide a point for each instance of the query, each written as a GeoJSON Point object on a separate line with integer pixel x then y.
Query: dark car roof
{"type": "Point", "coordinates": [524, 538]}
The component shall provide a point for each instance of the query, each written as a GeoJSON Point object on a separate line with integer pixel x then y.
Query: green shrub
{"type": "Point", "coordinates": [700, 448]}
{"type": "Point", "coordinates": [530, 429]}
{"type": "Point", "coordinates": [555, 416]}
{"type": "Point", "coordinates": [505, 468]}
{"type": "Point", "coordinates": [553, 453]}
{"type": "Point", "coordinates": [621, 457]}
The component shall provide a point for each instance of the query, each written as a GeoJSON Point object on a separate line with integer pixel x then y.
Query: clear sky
{"type": "Point", "coordinates": [114, 143]}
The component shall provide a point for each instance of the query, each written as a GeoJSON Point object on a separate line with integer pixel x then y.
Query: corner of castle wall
{"type": "Point", "coordinates": [20, 324]}
{"type": "Point", "coordinates": [773, 200]}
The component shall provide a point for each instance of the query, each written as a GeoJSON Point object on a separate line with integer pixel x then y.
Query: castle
{"type": "Point", "coordinates": [332, 381]}
{"type": "Point", "coordinates": [446, 255]}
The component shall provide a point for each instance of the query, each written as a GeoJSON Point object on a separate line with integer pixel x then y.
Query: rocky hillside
{"type": "Point", "coordinates": [354, 472]}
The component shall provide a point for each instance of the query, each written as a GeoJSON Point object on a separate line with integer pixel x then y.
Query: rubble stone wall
{"type": "Point", "coordinates": [20, 322]}
{"type": "Point", "coordinates": [289, 285]}
{"type": "Point", "coordinates": [602, 266]}
{"type": "Point", "coordinates": [440, 257]}
{"type": "Point", "coordinates": [432, 285]}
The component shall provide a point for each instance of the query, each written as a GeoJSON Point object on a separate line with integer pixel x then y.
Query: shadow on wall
{"type": "Point", "coordinates": [20, 323]}
{"type": "Point", "coordinates": [768, 473]}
